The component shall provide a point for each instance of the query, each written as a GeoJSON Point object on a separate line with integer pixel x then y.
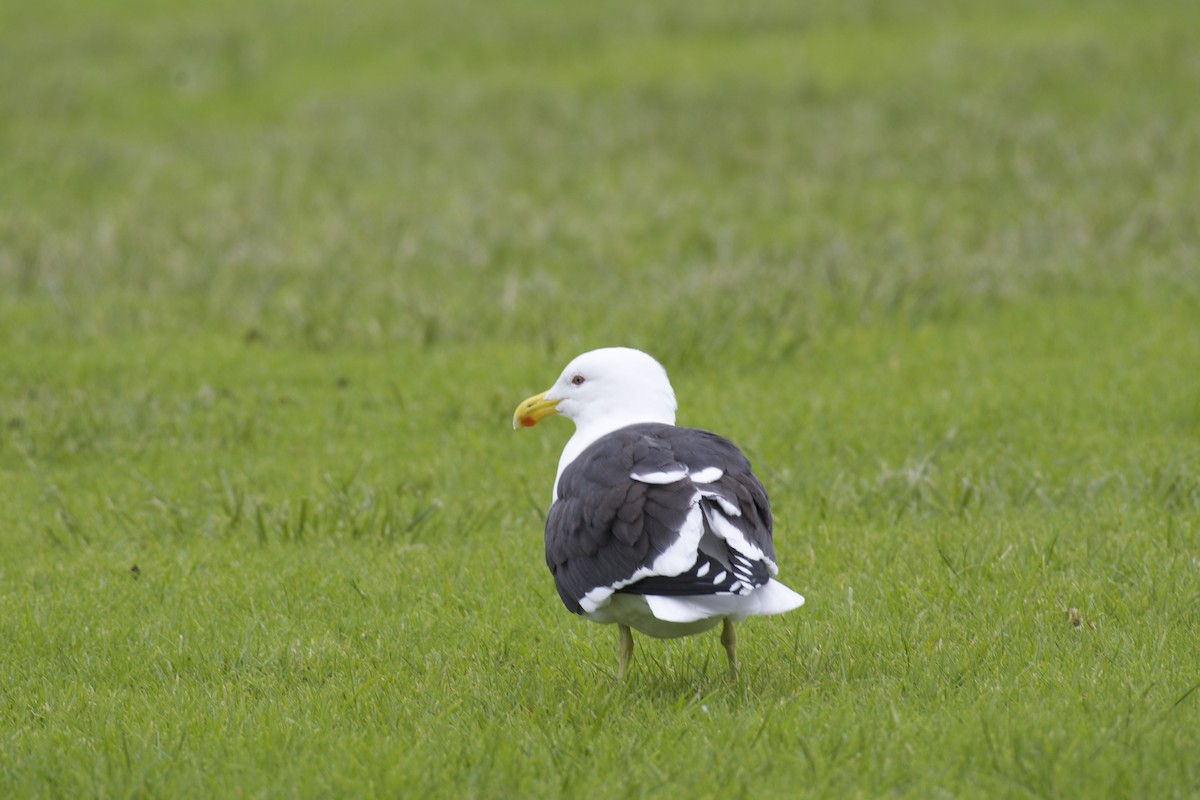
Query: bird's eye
{"type": "Point", "coordinates": [577, 380]}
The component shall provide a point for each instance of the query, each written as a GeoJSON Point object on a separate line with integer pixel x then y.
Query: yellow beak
{"type": "Point", "coordinates": [533, 410]}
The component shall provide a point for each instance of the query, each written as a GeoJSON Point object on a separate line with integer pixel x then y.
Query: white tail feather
{"type": "Point", "coordinates": [770, 598]}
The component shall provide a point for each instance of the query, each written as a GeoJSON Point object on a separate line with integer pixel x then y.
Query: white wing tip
{"type": "Point", "coordinates": [659, 478]}
{"type": "Point", "coordinates": [707, 475]}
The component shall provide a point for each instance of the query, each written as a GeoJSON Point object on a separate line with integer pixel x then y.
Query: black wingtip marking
{"type": "Point", "coordinates": [707, 576]}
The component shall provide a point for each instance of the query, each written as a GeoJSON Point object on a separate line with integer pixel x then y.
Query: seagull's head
{"type": "Point", "coordinates": [611, 387]}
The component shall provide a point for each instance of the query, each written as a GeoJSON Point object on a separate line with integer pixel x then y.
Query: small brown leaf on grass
{"type": "Point", "coordinates": [135, 572]}
{"type": "Point", "coordinates": [1075, 617]}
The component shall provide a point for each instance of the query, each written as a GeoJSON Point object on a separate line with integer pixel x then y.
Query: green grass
{"type": "Point", "coordinates": [273, 277]}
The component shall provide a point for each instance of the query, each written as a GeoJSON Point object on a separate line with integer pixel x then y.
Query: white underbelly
{"type": "Point", "coordinates": [634, 611]}
{"type": "Point", "coordinates": [668, 617]}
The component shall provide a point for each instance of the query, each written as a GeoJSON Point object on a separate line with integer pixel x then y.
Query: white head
{"type": "Point", "coordinates": [603, 390]}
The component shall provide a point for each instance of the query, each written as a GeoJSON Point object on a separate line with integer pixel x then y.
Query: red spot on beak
{"type": "Point", "coordinates": [528, 422]}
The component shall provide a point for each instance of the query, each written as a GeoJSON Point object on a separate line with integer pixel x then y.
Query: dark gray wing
{"type": "Point", "coordinates": [656, 509]}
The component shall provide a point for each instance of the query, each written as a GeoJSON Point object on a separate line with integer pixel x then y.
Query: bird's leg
{"type": "Point", "coordinates": [624, 649]}
{"type": "Point", "coordinates": [729, 640]}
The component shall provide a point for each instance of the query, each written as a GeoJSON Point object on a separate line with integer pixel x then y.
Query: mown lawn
{"type": "Point", "coordinates": [274, 275]}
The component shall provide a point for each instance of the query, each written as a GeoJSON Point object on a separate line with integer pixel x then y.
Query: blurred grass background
{"type": "Point", "coordinates": [342, 175]}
